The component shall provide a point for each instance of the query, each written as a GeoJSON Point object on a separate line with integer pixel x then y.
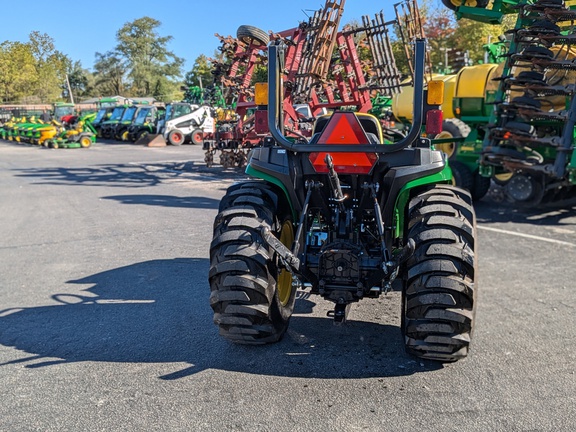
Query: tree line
{"type": "Point", "coordinates": [140, 65]}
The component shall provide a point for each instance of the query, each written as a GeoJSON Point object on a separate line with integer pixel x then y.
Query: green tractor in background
{"type": "Point", "coordinates": [145, 122]}
{"type": "Point", "coordinates": [102, 115]}
{"type": "Point", "coordinates": [107, 128]}
{"type": "Point", "coordinates": [520, 112]}
{"type": "Point", "coordinates": [348, 217]}
{"type": "Point", "coordinates": [64, 112]}
{"type": "Point", "coordinates": [120, 129]}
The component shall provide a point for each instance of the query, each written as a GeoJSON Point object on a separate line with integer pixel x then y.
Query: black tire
{"type": "Point", "coordinates": [251, 296]}
{"type": "Point", "coordinates": [176, 138]}
{"type": "Point", "coordinates": [197, 137]}
{"type": "Point", "coordinates": [439, 295]}
{"type": "Point", "coordinates": [85, 141]}
{"type": "Point", "coordinates": [525, 190]}
{"type": "Point", "coordinates": [462, 176]}
{"type": "Point", "coordinates": [452, 128]}
{"type": "Point", "coordinates": [141, 134]}
{"type": "Point", "coordinates": [481, 186]}
{"type": "Point", "coordinates": [248, 34]}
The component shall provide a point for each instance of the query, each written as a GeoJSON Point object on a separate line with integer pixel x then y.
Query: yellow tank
{"type": "Point", "coordinates": [402, 103]}
{"type": "Point", "coordinates": [472, 83]}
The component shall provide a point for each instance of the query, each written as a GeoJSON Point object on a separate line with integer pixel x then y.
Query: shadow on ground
{"type": "Point", "coordinates": [167, 201]}
{"type": "Point", "coordinates": [488, 211]}
{"type": "Point", "coordinates": [130, 175]}
{"type": "Point", "coordinates": [120, 175]}
{"type": "Point", "coordinates": [158, 312]}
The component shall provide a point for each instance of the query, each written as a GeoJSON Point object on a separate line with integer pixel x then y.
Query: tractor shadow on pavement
{"type": "Point", "coordinates": [158, 312]}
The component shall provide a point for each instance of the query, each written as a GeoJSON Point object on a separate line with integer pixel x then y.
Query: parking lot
{"type": "Point", "coordinates": [105, 322]}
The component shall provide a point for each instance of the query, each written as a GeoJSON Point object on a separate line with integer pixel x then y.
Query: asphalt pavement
{"type": "Point", "coordinates": [105, 323]}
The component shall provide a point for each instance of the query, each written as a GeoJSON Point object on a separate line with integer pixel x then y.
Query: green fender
{"type": "Point", "coordinates": [444, 176]}
{"type": "Point", "coordinates": [263, 176]}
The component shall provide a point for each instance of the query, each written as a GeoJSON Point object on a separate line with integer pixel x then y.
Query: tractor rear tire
{"type": "Point", "coordinates": [252, 297]}
{"type": "Point", "coordinates": [247, 34]}
{"type": "Point", "coordinates": [176, 138]}
{"type": "Point", "coordinates": [439, 295]}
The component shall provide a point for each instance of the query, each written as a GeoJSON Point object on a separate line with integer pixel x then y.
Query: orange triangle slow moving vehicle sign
{"type": "Point", "coordinates": [344, 128]}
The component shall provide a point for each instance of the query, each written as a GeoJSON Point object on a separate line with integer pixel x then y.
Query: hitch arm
{"type": "Point", "coordinates": [292, 262]}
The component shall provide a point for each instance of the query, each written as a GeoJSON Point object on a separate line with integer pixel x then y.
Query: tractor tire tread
{"type": "Point", "coordinates": [242, 270]}
{"type": "Point", "coordinates": [440, 290]}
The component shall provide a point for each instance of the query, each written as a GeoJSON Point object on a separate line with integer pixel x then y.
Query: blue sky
{"type": "Point", "coordinates": [82, 29]}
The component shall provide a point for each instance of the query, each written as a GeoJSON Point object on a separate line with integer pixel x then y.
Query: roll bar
{"type": "Point", "coordinates": [276, 55]}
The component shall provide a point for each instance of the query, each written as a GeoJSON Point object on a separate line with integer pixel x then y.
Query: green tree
{"type": "Point", "coordinates": [152, 68]}
{"type": "Point", "coordinates": [200, 74]}
{"type": "Point", "coordinates": [81, 82]}
{"type": "Point", "coordinates": [444, 32]}
{"type": "Point", "coordinates": [462, 35]}
{"type": "Point", "coordinates": [109, 74]}
{"type": "Point", "coordinates": [471, 36]}
{"type": "Point", "coordinates": [51, 67]}
{"type": "Point", "coordinates": [33, 71]}
{"type": "Point", "coordinates": [18, 75]}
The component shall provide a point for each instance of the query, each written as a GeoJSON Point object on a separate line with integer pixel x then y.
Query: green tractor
{"type": "Point", "coordinates": [348, 217]}
{"type": "Point", "coordinates": [144, 123]}
{"type": "Point", "coordinates": [521, 114]}
{"type": "Point", "coordinates": [102, 115]}
{"type": "Point", "coordinates": [64, 112]}
{"type": "Point", "coordinates": [107, 128]}
{"type": "Point", "coordinates": [121, 129]}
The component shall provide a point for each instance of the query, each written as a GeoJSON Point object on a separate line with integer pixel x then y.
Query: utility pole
{"type": "Point", "coordinates": [69, 89]}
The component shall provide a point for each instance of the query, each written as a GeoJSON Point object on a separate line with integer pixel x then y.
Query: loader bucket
{"type": "Point", "coordinates": [152, 140]}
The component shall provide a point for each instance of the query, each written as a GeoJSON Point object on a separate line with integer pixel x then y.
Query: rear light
{"type": "Point", "coordinates": [261, 93]}
{"type": "Point", "coordinates": [261, 122]}
{"type": "Point", "coordinates": [435, 93]}
{"type": "Point", "coordinates": [345, 163]}
{"type": "Point", "coordinates": [434, 120]}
